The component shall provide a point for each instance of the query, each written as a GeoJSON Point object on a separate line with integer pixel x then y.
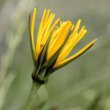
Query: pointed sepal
{"type": "Point", "coordinates": [31, 40]}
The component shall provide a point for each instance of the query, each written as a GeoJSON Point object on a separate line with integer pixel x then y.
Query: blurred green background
{"type": "Point", "coordinates": [82, 85]}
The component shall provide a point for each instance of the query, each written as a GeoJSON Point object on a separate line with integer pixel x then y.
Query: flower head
{"type": "Point", "coordinates": [54, 43]}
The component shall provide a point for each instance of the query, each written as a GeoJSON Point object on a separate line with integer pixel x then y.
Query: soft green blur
{"type": "Point", "coordinates": [82, 85]}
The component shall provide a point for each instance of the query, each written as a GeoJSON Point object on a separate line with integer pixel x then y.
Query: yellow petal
{"type": "Point", "coordinates": [61, 23]}
{"type": "Point", "coordinates": [66, 50]}
{"type": "Point", "coordinates": [72, 27]}
{"type": "Point", "coordinates": [70, 45]}
{"type": "Point", "coordinates": [75, 30]}
{"type": "Point", "coordinates": [52, 27]}
{"type": "Point", "coordinates": [77, 26]}
{"type": "Point", "coordinates": [77, 54]}
{"type": "Point", "coordinates": [44, 30]}
{"type": "Point", "coordinates": [48, 24]}
{"type": "Point", "coordinates": [46, 17]}
{"type": "Point", "coordinates": [55, 36]}
{"type": "Point", "coordinates": [58, 41]}
{"type": "Point", "coordinates": [39, 36]}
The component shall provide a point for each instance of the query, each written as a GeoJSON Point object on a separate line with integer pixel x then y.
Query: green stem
{"type": "Point", "coordinates": [32, 96]}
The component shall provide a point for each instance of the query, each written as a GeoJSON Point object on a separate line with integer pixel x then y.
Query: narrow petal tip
{"type": "Point", "coordinates": [79, 20]}
{"type": "Point", "coordinates": [94, 40]}
{"type": "Point", "coordinates": [34, 9]}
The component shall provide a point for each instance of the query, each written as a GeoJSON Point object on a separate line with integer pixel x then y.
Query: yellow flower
{"type": "Point", "coordinates": [54, 42]}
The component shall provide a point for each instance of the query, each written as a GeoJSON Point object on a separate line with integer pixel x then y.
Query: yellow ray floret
{"type": "Point", "coordinates": [39, 36]}
{"type": "Point", "coordinates": [45, 37]}
{"type": "Point", "coordinates": [59, 39]}
{"type": "Point", "coordinates": [70, 44]}
{"type": "Point", "coordinates": [45, 30]}
{"type": "Point", "coordinates": [76, 55]}
{"type": "Point", "coordinates": [49, 32]}
{"type": "Point", "coordinates": [46, 18]}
